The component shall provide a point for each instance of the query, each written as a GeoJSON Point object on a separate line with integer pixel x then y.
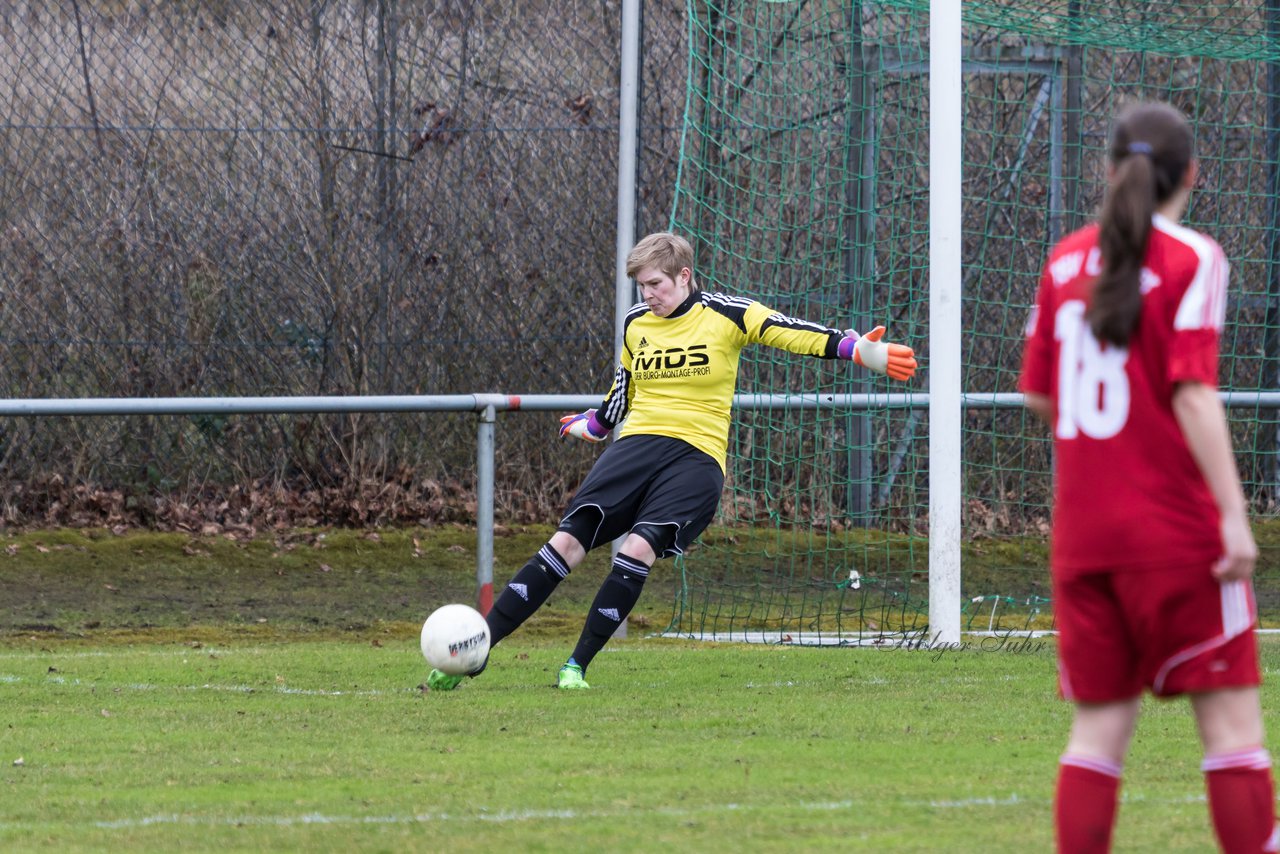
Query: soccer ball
{"type": "Point", "coordinates": [455, 639]}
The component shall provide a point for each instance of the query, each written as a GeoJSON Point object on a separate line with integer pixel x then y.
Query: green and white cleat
{"type": "Point", "coordinates": [438, 680]}
{"type": "Point", "coordinates": [571, 678]}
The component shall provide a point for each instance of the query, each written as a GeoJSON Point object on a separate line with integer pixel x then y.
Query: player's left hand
{"type": "Point", "coordinates": [897, 361]}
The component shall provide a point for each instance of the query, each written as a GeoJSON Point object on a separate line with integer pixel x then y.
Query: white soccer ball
{"type": "Point", "coordinates": [455, 639]}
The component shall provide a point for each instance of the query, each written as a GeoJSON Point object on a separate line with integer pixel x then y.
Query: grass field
{"type": "Point", "coordinates": [326, 745]}
{"type": "Point", "coordinates": [162, 692]}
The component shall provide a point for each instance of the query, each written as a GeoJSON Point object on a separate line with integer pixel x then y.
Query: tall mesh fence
{"type": "Point", "coordinates": [805, 181]}
{"type": "Point", "coordinates": [307, 198]}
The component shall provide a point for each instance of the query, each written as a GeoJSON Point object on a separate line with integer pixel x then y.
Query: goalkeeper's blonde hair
{"type": "Point", "coordinates": [668, 252]}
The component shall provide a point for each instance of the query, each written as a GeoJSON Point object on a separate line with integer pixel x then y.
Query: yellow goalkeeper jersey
{"type": "Point", "coordinates": [678, 373]}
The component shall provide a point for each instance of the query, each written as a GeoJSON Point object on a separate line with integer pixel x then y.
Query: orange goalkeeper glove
{"type": "Point", "coordinates": [896, 360]}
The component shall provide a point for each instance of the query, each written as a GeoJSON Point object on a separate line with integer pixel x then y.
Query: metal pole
{"type": "Point", "coordinates": [859, 215]}
{"type": "Point", "coordinates": [1271, 337]}
{"type": "Point", "coordinates": [484, 510]}
{"type": "Point", "coordinates": [1056, 109]}
{"type": "Point", "coordinates": [946, 132]}
{"type": "Point", "coordinates": [1072, 141]}
{"type": "Point", "coordinates": [628, 124]}
{"type": "Point", "coordinates": [37, 407]}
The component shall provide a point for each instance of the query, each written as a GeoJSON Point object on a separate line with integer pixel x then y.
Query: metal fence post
{"type": "Point", "coordinates": [484, 509]}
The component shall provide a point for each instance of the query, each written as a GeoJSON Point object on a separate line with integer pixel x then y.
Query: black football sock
{"type": "Point", "coordinates": [526, 592]}
{"type": "Point", "coordinates": [617, 596]}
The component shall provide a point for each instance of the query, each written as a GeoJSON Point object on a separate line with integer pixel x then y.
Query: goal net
{"type": "Point", "coordinates": [804, 179]}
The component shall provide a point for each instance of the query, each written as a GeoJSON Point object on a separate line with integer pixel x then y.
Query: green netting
{"type": "Point", "coordinates": [804, 183]}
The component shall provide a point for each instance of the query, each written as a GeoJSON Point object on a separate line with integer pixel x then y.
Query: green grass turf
{"type": "Point", "coordinates": [174, 692]}
{"type": "Point", "coordinates": [324, 745]}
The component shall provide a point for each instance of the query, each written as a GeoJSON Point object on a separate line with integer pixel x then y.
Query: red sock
{"type": "Point", "coordinates": [1241, 800]}
{"type": "Point", "coordinates": [1085, 804]}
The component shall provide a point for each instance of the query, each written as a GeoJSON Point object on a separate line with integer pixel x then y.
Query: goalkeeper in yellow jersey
{"type": "Point", "coordinates": [659, 484]}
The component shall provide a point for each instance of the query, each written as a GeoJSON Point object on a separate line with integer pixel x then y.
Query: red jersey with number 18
{"type": "Point", "coordinates": [1127, 491]}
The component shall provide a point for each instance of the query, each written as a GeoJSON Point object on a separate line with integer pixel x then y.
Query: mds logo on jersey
{"type": "Point", "coordinates": [671, 363]}
{"type": "Point", "coordinates": [671, 358]}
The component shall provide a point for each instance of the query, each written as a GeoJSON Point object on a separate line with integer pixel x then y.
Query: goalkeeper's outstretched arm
{"type": "Point", "coordinates": [796, 335]}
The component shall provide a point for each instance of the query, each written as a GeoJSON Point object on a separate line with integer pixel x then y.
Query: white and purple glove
{"type": "Point", "coordinates": [584, 426]}
{"type": "Point", "coordinates": [896, 360]}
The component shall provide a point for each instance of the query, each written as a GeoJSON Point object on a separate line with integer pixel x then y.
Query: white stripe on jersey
{"type": "Point", "coordinates": [1204, 305]}
{"type": "Point", "coordinates": [726, 299]}
{"type": "Point", "coordinates": [780, 319]}
{"type": "Point", "coordinates": [1221, 273]}
{"type": "Point", "coordinates": [617, 405]}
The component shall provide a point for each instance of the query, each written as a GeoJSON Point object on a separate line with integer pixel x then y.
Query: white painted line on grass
{"type": "Point", "coordinates": [965, 803]}
{"type": "Point", "coordinates": [482, 815]}
{"type": "Point", "coordinates": [515, 816]}
{"type": "Point", "coordinates": [1015, 799]}
{"type": "Point", "coordinates": [125, 652]}
{"type": "Point", "coordinates": [10, 679]}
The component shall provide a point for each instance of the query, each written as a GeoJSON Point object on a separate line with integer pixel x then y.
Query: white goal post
{"type": "Point", "coordinates": [945, 299]}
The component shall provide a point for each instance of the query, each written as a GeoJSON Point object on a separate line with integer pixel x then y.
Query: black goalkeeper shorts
{"type": "Point", "coordinates": [663, 489]}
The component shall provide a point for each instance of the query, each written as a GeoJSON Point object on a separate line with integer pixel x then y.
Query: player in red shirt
{"type": "Point", "coordinates": [1152, 554]}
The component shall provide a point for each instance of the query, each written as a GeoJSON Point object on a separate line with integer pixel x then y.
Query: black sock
{"type": "Point", "coordinates": [617, 596]}
{"type": "Point", "coordinates": [526, 592]}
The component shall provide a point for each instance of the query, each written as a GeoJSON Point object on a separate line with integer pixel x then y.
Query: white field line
{"type": "Point", "coordinates": [516, 816]}
{"type": "Point", "coordinates": [481, 815]}
{"type": "Point", "coordinates": [9, 679]}
{"type": "Point", "coordinates": [126, 652]}
{"type": "Point", "coordinates": [1015, 799]}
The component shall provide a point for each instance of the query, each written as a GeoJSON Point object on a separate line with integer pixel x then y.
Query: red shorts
{"type": "Point", "coordinates": [1175, 630]}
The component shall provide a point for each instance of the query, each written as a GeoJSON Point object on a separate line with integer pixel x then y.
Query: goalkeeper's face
{"type": "Point", "coordinates": [662, 293]}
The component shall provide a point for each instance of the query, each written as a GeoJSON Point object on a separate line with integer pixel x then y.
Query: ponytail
{"type": "Point", "coordinates": [1151, 150]}
{"type": "Point", "coordinates": [1124, 231]}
